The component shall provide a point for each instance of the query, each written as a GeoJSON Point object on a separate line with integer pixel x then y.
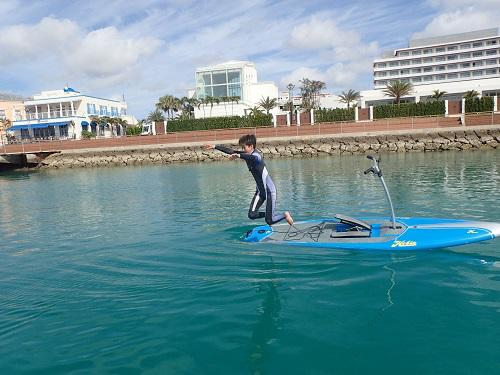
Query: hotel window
{"type": "Point", "coordinates": [440, 58]}
{"type": "Point", "coordinates": [416, 52]}
{"type": "Point", "coordinates": [452, 75]}
{"type": "Point", "coordinates": [405, 53]}
{"type": "Point", "coordinates": [477, 44]}
{"type": "Point", "coordinates": [452, 66]}
{"type": "Point", "coordinates": [428, 69]}
{"type": "Point", "coordinates": [416, 61]}
{"type": "Point", "coordinates": [465, 65]}
{"type": "Point", "coordinates": [464, 74]}
{"type": "Point", "coordinates": [452, 48]}
{"type": "Point", "coordinates": [427, 51]}
{"type": "Point", "coordinates": [452, 57]}
{"type": "Point", "coordinates": [405, 62]}
{"type": "Point", "coordinates": [477, 73]}
{"type": "Point", "coordinates": [491, 42]}
{"type": "Point", "coordinates": [381, 74]}
{"type": "Point", "coordinates": [416, 79]}
{"type": "Point", "coordinates": [465, 55]}
{"type": "Point", "coordinates": [477, 63]}
{"type": "Point", "coordinates": [417, 70]}
{"type": "Point", "coordinates": [428, 78]}
{"type": "Point", "coordinates": [465, 46]}
{"type": "Point", "coordinates": [393, 63]}
{"type": "Point", "coordinates": [477, 54]}
{"type": "Point", "coordinates": [381, 65]}
{"type": "Point", "coordinates": [393, 73]}
{"type": "Point", "coordinates": [491, 71]}
{"type": "Point", "coordinates": [440, 77]}
{"type": "Point", "coordinates": [441, 67]}
{"type": "Point", "coordinates": [427, 60]}
{"type": "Point", "coordinates": [440, 49]}
{"type": "Point", "coordinates": [405, 71]}
{"type": "Point", "coordinates": [491, 62]}
{"type": "Point", "coordinates": [491, 52]}
{"type": "Point", "coordinates": [103, 110]}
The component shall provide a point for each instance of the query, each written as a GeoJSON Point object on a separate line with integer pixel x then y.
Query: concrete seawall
{"type": "Point", "coordinates": [478, 138]}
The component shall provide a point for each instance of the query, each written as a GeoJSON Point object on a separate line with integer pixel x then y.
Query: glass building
{"type": "Point", "coordinates": [219, 83]}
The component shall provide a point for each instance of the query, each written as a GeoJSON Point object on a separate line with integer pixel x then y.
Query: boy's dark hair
{"type": "Point", "coordinates": [249, 140]}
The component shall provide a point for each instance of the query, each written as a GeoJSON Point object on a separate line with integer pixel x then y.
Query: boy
{"type": "Point", "coordinates": [266, 191]}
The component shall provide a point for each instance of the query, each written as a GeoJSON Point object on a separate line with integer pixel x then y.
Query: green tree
{"type": "Point", "coordinates": [268, 104]}
{"type": "Point", "coordinates": [310, 91]}
{"type": "Point", "coordinates": [397, 89]}
{"type": "Point", "coordinates": [349, 97]}
{"type": "Point", "coordinates": [255, 111]}
{"type": "Point", "coordinates": [155, 116]}
{"type": "Point", "coordinates": [437, 95]}
{"type": "Point", "coordinates": [168, 104]}
{"type": "Point", "coordinates": [471, 94]}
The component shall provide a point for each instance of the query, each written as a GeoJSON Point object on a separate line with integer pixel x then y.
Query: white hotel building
{"type": "Point", "coordinates": [453, 63]}
{"type": "Point", "coordinates": [232, 78]}
{"type": "Point", "coordinates": [64, 114]}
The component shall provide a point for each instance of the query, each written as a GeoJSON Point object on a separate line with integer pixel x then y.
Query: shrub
{"type": "Point", "coordinates": [87, 135]}
{"type": "Point", "coordinates": [179, 125]}
{"type": "Point", "coordinates": [335, 114]}
{"type": "Point", "coordinates": [134, 130]}
{"type": "Point", "coordinates": [484, 104]}
{"type": "Point", "coordinates": [409, 109]}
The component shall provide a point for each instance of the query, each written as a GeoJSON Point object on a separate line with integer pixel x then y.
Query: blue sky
{"type": "Point", "coordinates": [148, 48]}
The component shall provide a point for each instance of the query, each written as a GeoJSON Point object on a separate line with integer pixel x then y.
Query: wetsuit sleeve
{"type": "Point", "coordinates": [227, 150]}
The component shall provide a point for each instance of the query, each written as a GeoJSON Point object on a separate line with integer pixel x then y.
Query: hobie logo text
{"type": "Point", "coordinates": [404, 244]}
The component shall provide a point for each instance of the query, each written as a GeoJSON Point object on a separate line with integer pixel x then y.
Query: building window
{"type": "Point", "coordinates": [63, 131]}
{"type": "Point", "coordinates": [381, 65]}
{"type": "Point", "coordinates": [440, 58]}
{"type": "Point", "coordinates": [491, 62]}
{"type": "Point", "coordinates": [440, 77]}
{"type": "Point", "coordinates": [491, 52]}
{"type": "Point", "coordinates": [477, 73]}
{"type": "Point", "coordinates": [103, 110]}
{"type": "Point", "coordinates": [452, 57]}
{"type": "Point", "coordinates": [452, 75]}
{"type": "Point", "coordinates": [452, 66]}
{"type": "Point", "coordinates": [477, 44]}
{"type": "Point", "coordinates": [393, 73]}
{"type": "Point", "coordinates": [465, 55]}
{"type": "Point", "coordinates": [428, 69]}
{"type": "Point", "coordinates": [417, 70]}
{"type": "Point", "coordinates": [441, 49]}
{"type": "Point", "coordinates": [465, 65]}
{"type": "Point", "coordinates": [393, 63]}
{"type": "Point", "coordinates": [416, 79]}
{"type": "Point", "coordinates": [477, 54]}
{"type": "Point", "coordinates": [416, 61]}
{"type": "Point", "coordinates": [491, 42]}
{"type": "Point", "coordinates": [416, 52]}
{"type": "Point", "coordinates": [441, 67]}
{"type": "Point", "coordinates": [491, 71]}
{"type": "Point", "coordinates": [477, 63]}
{"type": "Point", "coordinates": [427, 60]}
{"type": "Point", "coordinates": [405, 71]}
{"type": "Point", "coordinates": [114, 111]}
{"type": "Point", "coordinates": [427, 51]}
{"type": "Point", "coordinates": [464, 74]}
{"type": "Point", "coordinates": [427, 78]}
{"type": "Point", "coordinates": [465, 46]}
{"type": "Point", "coordinates": [452, 48]}
{"type": "Point", "coordinates": [405, 53]}
{"type": "Point", "coordinates": [123, 111]}
{"type": "Point", "coordinates": [219, 78]}
{"type": "Point", "coordinates": [381, 74]}
{"type": "Point", "coordinates": [406, 62]}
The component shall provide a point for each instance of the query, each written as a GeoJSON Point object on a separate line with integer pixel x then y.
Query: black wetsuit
{"type": "Point", "coordinates": [266, 191]}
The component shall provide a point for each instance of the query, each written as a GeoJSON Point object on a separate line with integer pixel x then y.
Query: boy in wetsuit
{"type": "Point", "coordinates": [266, 191]}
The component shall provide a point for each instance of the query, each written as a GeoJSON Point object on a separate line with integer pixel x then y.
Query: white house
{"type": "Point", "coordinates": [64, 114]}
{"type": "Point", "coordinates": [236, 79]}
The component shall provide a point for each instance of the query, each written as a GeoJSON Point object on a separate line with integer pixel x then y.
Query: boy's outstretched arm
{"type": "Point", "coordinates": [223, 149]}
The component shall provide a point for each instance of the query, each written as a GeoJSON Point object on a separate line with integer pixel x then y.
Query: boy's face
{"type": "Point", "coordinates": [248, 149]}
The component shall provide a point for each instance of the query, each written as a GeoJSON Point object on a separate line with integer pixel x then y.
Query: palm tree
{"type": "Point", "coordinates": [201, 103]}
{"type": "Point", "coordinates": [397, 89]}
{"type": "Point", "coordinates": [437, 95]}
{"type": "Point", "coordinates": [268, 103]}
{"type": "Point", "coordinates": [349, 96]}
{"type": "Point", "coordinates": [471, 94]}
{"type": "Point", "coordinates": [155, 116]}
{"type": "Point", "coordinates": [168, 104]}
{"type": "Point", "coordinates": [255, 111]}
{"type": "Point", "coordinates": [210, 100]}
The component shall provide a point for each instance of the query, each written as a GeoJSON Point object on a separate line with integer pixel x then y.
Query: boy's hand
{"type": "Point", "coordinates": [234, 156]}
{"type": "Point", "coordinates": [209, 147]}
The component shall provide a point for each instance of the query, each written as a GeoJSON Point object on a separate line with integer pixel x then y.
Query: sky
{"type": "Point", "coordinates": [145, 49]}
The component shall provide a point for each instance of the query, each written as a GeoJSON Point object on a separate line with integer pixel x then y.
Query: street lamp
{"type": "Point", "coordinates": [290, 88]}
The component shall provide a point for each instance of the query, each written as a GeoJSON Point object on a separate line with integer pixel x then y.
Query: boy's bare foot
{"type": "Point", "coordinates": [288, 218]}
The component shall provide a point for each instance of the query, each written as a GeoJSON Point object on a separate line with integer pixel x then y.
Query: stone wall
{"type": "Point", "coordinates": [467, 139]}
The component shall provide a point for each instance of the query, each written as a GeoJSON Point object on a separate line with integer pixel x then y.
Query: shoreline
{"type": "Point", "coordinates": [419, 140]}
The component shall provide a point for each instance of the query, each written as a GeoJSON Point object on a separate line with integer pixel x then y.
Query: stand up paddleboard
{"type": "Point", "coordinates": [402, 233]}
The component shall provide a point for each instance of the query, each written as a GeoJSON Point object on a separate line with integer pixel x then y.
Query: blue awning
{"type": "Point", "coordinates": [85, 123]}
{"type": "Point", "coordinates": [38, 126]}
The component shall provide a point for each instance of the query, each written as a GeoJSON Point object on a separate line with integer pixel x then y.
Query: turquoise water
{"type": "Point", "coordinates": [140, 270]}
